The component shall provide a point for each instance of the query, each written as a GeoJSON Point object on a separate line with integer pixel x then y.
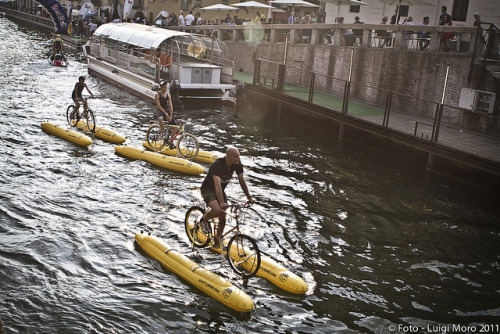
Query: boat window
{"type": "Point", "coordinates": [135, 51]}
{"type": "Point", "coordinates": [122, 47]}
{"type": "Point", "coordinates": [112, 44]}
{"type": "Point", "coordinates": [143, 53]}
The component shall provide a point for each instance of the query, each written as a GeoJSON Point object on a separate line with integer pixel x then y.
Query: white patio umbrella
{"type": "Point", "coordinates": [219, 7]}
{"type": "Point", "coordinates": [251, 5]}
{"type": "Point", "coordinates": [294, 3]}
{"type": "Point", "coordinates": [406, 2]}
{"type": "Point", "coordinates": [345, 2]}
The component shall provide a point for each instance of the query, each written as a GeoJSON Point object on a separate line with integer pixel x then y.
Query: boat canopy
{"type": "Point", "coordinates": [140, 35]}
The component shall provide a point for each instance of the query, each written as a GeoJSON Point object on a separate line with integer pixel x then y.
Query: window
{"type": "Point", "coordinates": [403, 11]}
{"type": "Point", "coordinates": [459, 12]}
{"type": "Point", "coordinates": [354, 8]}
{"type": "Point", "coordinates": [184, 5]}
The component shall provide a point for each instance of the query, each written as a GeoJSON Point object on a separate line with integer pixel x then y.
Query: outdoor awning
{"type": "Point", "coordinates": [137, 34]}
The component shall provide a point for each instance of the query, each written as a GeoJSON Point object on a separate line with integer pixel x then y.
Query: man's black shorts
{"type": "Point", "coordinates": [209, 195]}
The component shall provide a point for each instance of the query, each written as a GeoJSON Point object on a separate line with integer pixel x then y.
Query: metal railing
{"type": "Point", "coordinates": [485, 43]}
{"type": "Point", "coordinates": [423, 119]}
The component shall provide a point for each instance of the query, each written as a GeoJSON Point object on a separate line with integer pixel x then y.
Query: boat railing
{"type": "Point", "coordinates": [203, 51]}
{"type": "Point", "coordinates": [402, 37]}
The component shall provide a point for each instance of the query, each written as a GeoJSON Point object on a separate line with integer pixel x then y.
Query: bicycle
{"type": "Point", "coordinates": [242, 251]}
{"type": "Point", "coordinates": [87, 116]}
{"type": "Point", "coordinates": [187, 145]}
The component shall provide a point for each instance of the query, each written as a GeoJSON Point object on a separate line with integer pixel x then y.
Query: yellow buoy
{"type": "Point", "coordinates": [202, 156]}
{"type": "Point", "coordinates": [272, 271]}
{"type": "Point", "coordinates": [102, 133]}
{"type": "Point", "coordinates": [70, 135]}
{"type": "Point", "coordinates": [203, 279]}
{"type": "Point", "coordinates": [177, 164]}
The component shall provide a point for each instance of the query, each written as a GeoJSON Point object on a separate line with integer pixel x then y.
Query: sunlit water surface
{"type": "Point", "coordinates": [381, 242]}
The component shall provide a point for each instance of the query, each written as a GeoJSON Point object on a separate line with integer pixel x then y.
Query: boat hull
{"type": "Point", "coordinates": [143, 86]}
{"type": "Point", "coordinates": [201, 278]}
{"type": "Point", "coordinates": [134, 83]}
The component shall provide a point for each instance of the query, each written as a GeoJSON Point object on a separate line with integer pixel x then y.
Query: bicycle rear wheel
{"type": "Point", "coordinates": [243, 255]}
{"type": "Point", "coordinates": [72, 116]}
{"type": "Point", "coordinates": [90, 121]}
{"type": "Point", "coordinates": [187, 146]}
{"type": "Point", "coordinates": [156, 137]}
{"type": "Point", "coordinates": [193, 227]}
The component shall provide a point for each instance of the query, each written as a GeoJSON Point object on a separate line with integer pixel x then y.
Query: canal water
{"type": "Point", "coordinates": [383, 245]}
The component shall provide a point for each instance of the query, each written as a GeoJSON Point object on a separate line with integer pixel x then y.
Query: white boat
{"type": "Point", "coordinates": [138, 57]}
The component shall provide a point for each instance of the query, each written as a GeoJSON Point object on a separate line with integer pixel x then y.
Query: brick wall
{"type": "Point", "coordinates": [416, 74]}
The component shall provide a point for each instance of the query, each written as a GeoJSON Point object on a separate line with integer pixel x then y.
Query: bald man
{"type": "Point", "coordinates": [212, 188]}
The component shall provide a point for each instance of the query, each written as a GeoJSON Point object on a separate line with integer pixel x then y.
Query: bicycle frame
{"type": "Point", "coordinates": [180, 129]}
{"type": "Point", "coordinates": [233, 213]}
{"type": "Point", "coordinates": [85, 104]}
{"type": "Point", "coordinates": [85, 107]}
{"type": "Point", "coordinates": [241, 250]}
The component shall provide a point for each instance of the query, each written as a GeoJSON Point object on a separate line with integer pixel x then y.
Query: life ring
{"type": "Point", "coordinates": [196, 49]}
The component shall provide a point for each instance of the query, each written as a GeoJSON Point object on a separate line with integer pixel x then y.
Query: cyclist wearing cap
{"type": "Point", "coordinates": [165, 109]}
{"type": "Point", "coordinates": [77, 92]}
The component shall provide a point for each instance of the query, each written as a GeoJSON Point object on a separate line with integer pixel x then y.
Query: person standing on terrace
{"type": "Point", "coordinates": [393, 18]}
{"type": "Point", "coordinates": [477, 21]}
{"type": "Point", "coordinates": [320, 16]}
{"type": "Point", "coordinates": [182, 22]}
{"type": "Point", "coordinates": [358, 33]}
{"type": "Point", "coordinates": [384, 36]}
{"type": "Point", "coordinates": [443, 16]}
{"type": "Point", "coordinates": [445, 37]}
{"type": "Point", "coordinates": [258, 18]}
{"type": "Point", "coordinates": [314, 18]}
{"type": "Point", "coordinates": [189, 19]}
{"type": "Point", "coordinates": [424, 36]}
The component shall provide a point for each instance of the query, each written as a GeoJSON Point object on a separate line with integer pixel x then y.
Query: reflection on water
{"type": "Point", "coordinates": [379, 241]}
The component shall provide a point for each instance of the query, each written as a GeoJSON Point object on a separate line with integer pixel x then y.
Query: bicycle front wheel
{"type": "Point", "coordinates": [90, 121]}
{"type": "Point", "coordinates": [156, 137]}
{"type": "Point", "coordinates": [243, 255]}
{"type": "Point", "coordinates": [193, 227]}
{"type": "Point", "coordinates": [187, 146]}
{"type": "Point", "coordinates": [72, 116]}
